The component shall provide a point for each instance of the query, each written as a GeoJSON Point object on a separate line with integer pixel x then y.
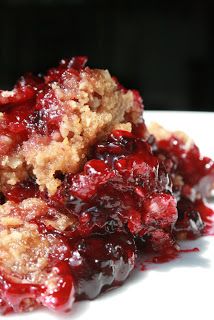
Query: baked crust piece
{"type": "Point", "coordinates": [72, 108]}
{"type": "Point", "coordinates": [88, 192]}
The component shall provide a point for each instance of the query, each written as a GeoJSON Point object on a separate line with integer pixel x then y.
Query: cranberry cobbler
{"type": "Point", "coordinates": [87, 190]}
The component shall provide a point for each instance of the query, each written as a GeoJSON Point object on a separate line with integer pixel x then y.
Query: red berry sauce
{"type": "Point", "coordinates": [195, 218]}
{"type": "Point", "coordinates": [31, 107]}
{"type": "Point", "coordinates": [122, 208]}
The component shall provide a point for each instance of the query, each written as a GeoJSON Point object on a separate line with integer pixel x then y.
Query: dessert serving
{"type": "Point", "coordinates": [88, 191]}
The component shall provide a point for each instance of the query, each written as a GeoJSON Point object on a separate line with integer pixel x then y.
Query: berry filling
{"type": "Point", "coordinates": [86, 193]}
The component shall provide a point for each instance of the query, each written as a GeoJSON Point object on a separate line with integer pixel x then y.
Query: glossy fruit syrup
{"type": "Point", "coordinates": [124, 209]}
{"type": "Point", "coordinates": [31, 107]}
{"type": "Point", "coordinates": [133, 200]}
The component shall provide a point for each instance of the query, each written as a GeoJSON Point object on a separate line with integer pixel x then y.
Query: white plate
{"type": "Point", "coordinates": [181, 289]}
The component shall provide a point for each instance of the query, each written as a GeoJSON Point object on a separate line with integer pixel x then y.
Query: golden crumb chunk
{"type": "Point", "coordinates": [88, 108]}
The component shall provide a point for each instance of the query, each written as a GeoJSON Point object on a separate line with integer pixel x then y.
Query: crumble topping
{"type": "Point", "coordinates": [87, 106]}
{"type": "Point", "coordinates": [24, 251]}
{"type": "Point", "coordinates": [86, 192]}
{"type": "Point", "coordinates": [161, 133]}
{"type": "Point", "coordinates": [26, 255]}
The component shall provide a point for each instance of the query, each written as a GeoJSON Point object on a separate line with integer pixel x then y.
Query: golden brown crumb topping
{"type": "Point", "coordinates": [24, 251]}
{"type": "Point", "coordinates": [161, 133]}
{"type": "Point", "coordinates": [89, 107]}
